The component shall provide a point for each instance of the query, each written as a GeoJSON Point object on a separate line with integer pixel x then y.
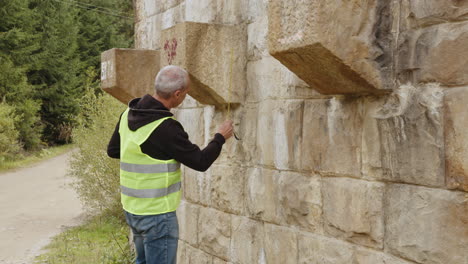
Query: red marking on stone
{"type": "Point", "coordinates": [171, 49]}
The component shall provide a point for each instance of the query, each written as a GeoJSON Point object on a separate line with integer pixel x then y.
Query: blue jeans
{"type": "Point", "coordinates": [155, 237]}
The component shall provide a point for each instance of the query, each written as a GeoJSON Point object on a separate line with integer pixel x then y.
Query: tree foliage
{"type": "Point", "coordinates": [46, 48]}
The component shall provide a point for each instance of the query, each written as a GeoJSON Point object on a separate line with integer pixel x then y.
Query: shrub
{"type": "Point", "coordinates": [97, 175]}
{"type": "Point", "coordinates": [9, 145]}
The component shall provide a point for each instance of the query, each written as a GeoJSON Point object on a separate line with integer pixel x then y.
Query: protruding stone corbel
{"type": "Point", "coordinates": [204, 50]}
{"type": "Point", "coordinates": [337, 47]}
{"type": "Point", "coordinates": [129, 73]}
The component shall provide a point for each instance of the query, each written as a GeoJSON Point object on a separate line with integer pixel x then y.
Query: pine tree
{"type": "Point", "coordinates": [55, 73]}
{"type": "Point", "coordinates": [17, 43]}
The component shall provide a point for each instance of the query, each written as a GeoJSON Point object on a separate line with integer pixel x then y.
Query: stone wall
{"type": "Point", "coordinates": [349, 175]}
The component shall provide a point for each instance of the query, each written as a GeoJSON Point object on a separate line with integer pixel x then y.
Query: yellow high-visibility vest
{"type": "Point", "coordinates": [148, 186]}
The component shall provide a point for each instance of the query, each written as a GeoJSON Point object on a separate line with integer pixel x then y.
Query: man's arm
{"type": "Point", "coordinates": [170, 141]}
{"type": "Point", "coordinates": [113, 148]}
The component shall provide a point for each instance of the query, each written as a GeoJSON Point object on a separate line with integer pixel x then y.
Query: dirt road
{"type": "Point", "coordinates": [35, 204]}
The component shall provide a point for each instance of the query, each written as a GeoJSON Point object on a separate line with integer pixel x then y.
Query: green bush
{"type": "Point", "coordinates": [97, 175]}
{"type": "Point", "coordinates": [9, 145]}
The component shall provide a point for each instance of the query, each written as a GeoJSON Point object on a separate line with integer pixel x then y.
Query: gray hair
{"type": "Point", "coordinates": [170, 79]}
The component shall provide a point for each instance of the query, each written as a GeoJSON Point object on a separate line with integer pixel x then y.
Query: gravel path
{"type": "Point", "coordinates": [36, 203]}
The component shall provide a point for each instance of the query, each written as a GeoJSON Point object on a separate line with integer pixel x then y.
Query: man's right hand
{"type": "Point", "coordinates": [226, 129]}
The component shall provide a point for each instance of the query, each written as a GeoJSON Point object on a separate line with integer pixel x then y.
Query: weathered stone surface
{"type": "Point", "coordinates": [129, 73]}
{"type": "Point", "coordinates": [181, 252]}
{"type": "Point", "coordinates": [216, 11]}
{"type": "Point", "coordinates": [435, 54]}
{"type": "Point", "coordinates": [300, 201]}
{"type": "Point", "coordinates": [220, 261]}
{"type": "Point", "coordinates": [423, 13]}
{"type": "Point", "coordinates": [233, 152]}
{"type": "Point", "coordinates": [261, 190]}
{"type": "Point", "coordinates": [247, 240]}
{"type": "Point", "coordinates": [197, 256]}
{"type": "Point", "coordinates": [187, 214]}
{"type": "Point", "coordinates": [315, 249]}
{"type": "Point", "coordinates": [366, 256]}
{"type": "Point", "coordinates": [403, 137]}
{"type": "Point", "coordinates": [426, 225]}
{"type": "Point", "coordinates": [147, 8]}
{"type": "Point", "coordinates": [148, 33]}
{"type": "Point", "coordinates": [353, 210]}
{"type": "Point", "coordinates": [268, 79]}
{"type": "Point", "coordinates": [197, 186]}
{"type": "Point", "coordinates": [209, 67]}
{"type": "Point", "coordinates": [172, 16]}
{"type": "Point", "coordinates": [456, 138]}
{"type": "Point", "coordinates": [332, 135]}
{"type": "Point", "coordinates": [256, 9]}
{"type": "Point", "coordinates": [227, 189]}
{"type": "Point", "coordinates": [280, 245]}
{"type": "Point", "coordinates": [257, 46]}
{"type": "Point", "coordinates": [349, 54]}
{"type": "Point", "coordinates": [279, 133]}
{"type": "Point", "coordinates": [193, 122]}
{"type": "Point", "coordinates": [214, 232]}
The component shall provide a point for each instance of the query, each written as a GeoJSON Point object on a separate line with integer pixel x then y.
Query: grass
{"type": "Point", "coordinates": [100, 240]}
{"type": "Point", "coordinates": [34, 157]}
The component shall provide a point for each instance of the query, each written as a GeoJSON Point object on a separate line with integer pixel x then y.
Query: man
{"type": "Point", "coordinates": [151, 144]}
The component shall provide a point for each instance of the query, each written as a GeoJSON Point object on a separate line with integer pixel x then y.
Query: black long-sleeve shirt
{"type": "Point", "coordinates": [168, 140]}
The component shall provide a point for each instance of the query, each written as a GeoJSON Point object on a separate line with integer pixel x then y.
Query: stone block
{"type": "Point", "coordinates": [257, 45]}
{"type": "Point", "coordinates": [216, 11]}
{"type": "Point", "coordinates": [197, 256]}
{"type": "Point", "coordinates": [227, 189]}
{"type": "Point", "coordinates": [207, 52]}
{"type": "Point", "coordinates": [148, 33]}
{"type": "Point", "coordinates": [193, 122]}
{"type": "Point", "coordinates": [456, 139]}
{"type": "Point", "coordinates": [197, 186]}
{"type": "Point", "coordinates": [315, 249]}
{"type": "Point", "coordinates": [426, 225]}
{"type": "Point", "coordinates": [260, 194]}
{"type": "Point", "coordinates": [165, 5]}
{"type": "Point", "coordinates": [279, 133]}
{"type": "Point", "coordinates": [434, 54]}
{"type": "Point", "coordinates": [145, 9]}
{"type": "Point", "coordinates": [181, 252]}
{"type": "Point", "coordinates": [366, 256]}
{"type": "Point", "coordinates": [300, 201]}
{"type": "Point", "coordinates": [234, 152]}
{"type": "Point", "coordinates": [269, 79]}
{"type": "Point", "coordinates": [247, 242]}
{"type": "Point", "coordinates": [403, 137]}
{"type": "Point", "coordinates": [350, 54]}
{"type": "Point", "coordinates": [280, 245]}
{"type": "Point", "coordinates": [172, 16]}
{"type": "Point", "coordinates": [424, 13]}
{"type": "Point", "coordinates": [129, 73]}
{"type": "Point", "coordinates": [332, 136]}
{"type": "Point", "coordinates": [214, 235]}
{"type": "Point", "coordinates": [353, 210]}
{"type": "Point", "coordinates": [187, 214]}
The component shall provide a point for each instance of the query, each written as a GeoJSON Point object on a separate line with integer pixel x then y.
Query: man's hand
{"type": "Point", "coordinates": [226, 129]}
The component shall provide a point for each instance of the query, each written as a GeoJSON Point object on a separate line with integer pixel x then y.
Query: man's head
{"type": "Point", "coordinates": [172, 84]}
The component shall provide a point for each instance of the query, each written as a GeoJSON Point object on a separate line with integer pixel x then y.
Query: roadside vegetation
{"type": "Point", "coordinates": [101, 240]}
{"type": "Point", "coordinates": [47, 50]}
{"type": "Point", "coordinates": [50, 102]}
{"type": "Point", "coordinates": [28, 159]}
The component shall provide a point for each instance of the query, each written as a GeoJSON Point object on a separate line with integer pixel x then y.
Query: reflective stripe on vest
{"type": "Point", "coordinates": [149, 168]}
{"type": "Point", "coordinates": [148, 186]}
{"type": "Point", "coordinates": [151, 193]}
